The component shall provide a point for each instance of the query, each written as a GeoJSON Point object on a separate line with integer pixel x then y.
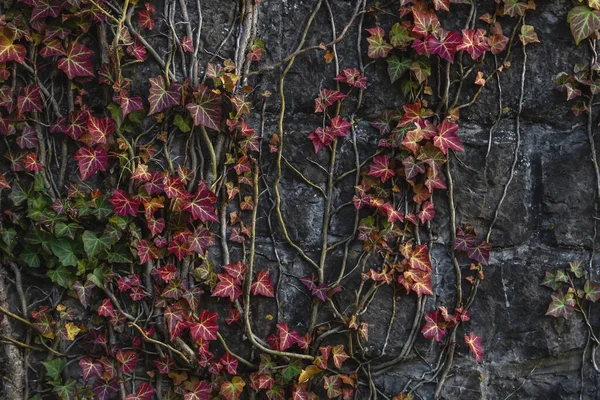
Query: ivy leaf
{"type": "Point", "coordinates": [263, 285]}
{"type": "Point", "coordinates": [380, 168]}
{"type": "Point", "coordinates": [77, 61]}
{"type": "Point", "coordinates": [229, 362]}
{"type": "Point", "coordinates": [237, 270]}
{"type": "Point", "coordinates": [30, 100]}
{"type": "Point", "coordinates": [352, 77]}
{"type": "Point", "coordinates": [161, 97]}
{"type": "Point", "coordinates": [206, 327]}
{"type": "Point", "coordinates": [419, 258]}
{"type": "Point", "coordinates": [287, 338]}
{"type": "Point", "coordinates": [400, 36]}
{"type": "Point", "coordinates": [94, 245]}
{"type": "Point", "coordinates": [84, 292]}
{"type": "Point", "coordinates": [378, 46]}
{"type": "Point", "coordinates": [52, 48]}
{"type": "Point", "coordinates": [100, 128]}
{"type": "Point", "coordinates": [91, 160]}
{"type": "Point", "coordinates": [105, 309]}
{"type": "Point", "coordinates": [124, 205]}
{"type": "Point", "coordinates": [562, 305]}
{"type": "Point", "coordinates": [444, 44]}
{"type": "Point", "coordinates": [474, 42]}
{"type": "Point", "coordinates": [8, 50]}
{"type": "Point", "coordinates": [173, 187]}
{"type": "Point", "coordinates": [227, 287]}
{"type": "Point", "coordinates": [435, 327]}
{"type": "Point", "coordinates": [584, 21]}
{"type": "Point", "coordinates": [89, 368]}
{"type": "Point", "coordinates": [339, 355]}
{"type": "Point", "coordinates": [176, 316]}
{"type": "Point", "coordinates": [54, 368]}
{"type": "Point", "coordinates": [63, 249]}
{"type": "Point", "coordinates": [576, 267]}
{"type": "Point", "coordinates": [200, 391]}
{"type": "Point", "coordinates": [338, 127]}
{"type": "Point", "coordinates": [232, 390]}
{"type": "Point", "coordinates": [592, 291]}
{"type": "Point", "coordinates": [202, 204]}
{"type": "Point", "coordinates": [427, 212]}
{"type": "Point", "coordinates": [528, 35]}
{"type": "Point", "coordinates": [480, 253]}
{"type": "Point", "coordinates": [105, 388]}
{"type": "Point", "coordinates": [332, 385]}
{"type": "Point", "coordinates": [474, 343]}
{"type": "Point", "coordinates": [426, 21]}
{"type": "Point", "coordinates": [201, 240]}
{"type": "Point", "coordinates": [146, 251]}
{"type": "Point", "coordinates": [497, 43]}
{"type": "Point", "coordinates": [206, 109]}
{"type": "Point", "coordinates": [514, 8]}
{"type": "Point", "coordinates": [143, 392]}
{"type": "Point", "coordinates": [441, 5]}
{"type": "Point", "coordinates": [446, 137]}
{"type": "Point", "coordinates": [130, 104]}
{"type": "Point", "coordinates": [397, 67]}
{"type": "Point", "coordinates": [326, 98]}
{"type": "Point", "coordinates": [128, 360]}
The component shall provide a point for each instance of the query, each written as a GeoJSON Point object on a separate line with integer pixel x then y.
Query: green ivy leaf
{"type": "Point", "coordinates": [400, 36]}
{"type": "Point", "coordinates": [119, 255]}
{"type": "Point", "coordinates": [17, 195]}
{"type": "Point", "coordinates": [98, 276]}
{"type": "Point", "coordinates": [397, 67]}
{"type": "Point", "coordinates": [54, 368]}
{"type": "Point", "coordinates": [562, 305]}
{"type": "Point", "coordinates": [62, 229]}
{"type": "Point", "coordinates": [30, 257]}
{"type": "Point", "coordinates": [67, 390]}
{"type": "Point", "coordinates": [291, 371]}
{"type": "Point", "coordinates": [584, 22]}
{"type": "Point", "coordinates": [63, 249]}
{"type": "Point", "coordinates": [62, 276]}
{"type": "Point", "coordinates": [184, 124]}
{"type": "Point", "coordinates": [116, 112]}
{"type": "Point", "coordinates": [94, 245]}
{"type": "Point", "coordinates": [8, 237]}
{"type": "Point", "coordinates": [576, 268]}
{"type": "Point", "coordinates": [103, 209]}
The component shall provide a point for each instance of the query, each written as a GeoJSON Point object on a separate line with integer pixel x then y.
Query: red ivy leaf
{"type": "Point", "coordinates": [339, 127]}
{"type": "Point", "coordinates": [206, 109]}
{"type": "Point", "coordinates": [91, 160]}
{"type": "Point", "coordinates": [435, 327]}
{"type": "Point", "coordinates": [206, 327]}
{"type": "Point", "coordinates": [381, 168]}
{"type": "Point", "coordinates": [352, 77]}
{"type": "Point", "coordinates": [84, 292]}
{"type": "Point", "coordinates": [32, 163]}
{"type": "Point", "coordinates": [200, 391]}
{"type": "Point", "coordinates": [176, 317]}
{"type": "Point", "coordinates": [146, 20]}
{"type": "Point", "coordinates": [480, 253]}
{"type": "Point", "coordinates": [474, 343]}
{"type": "Point", "coordinates": [128, 360]}
{"type": "Point", "coordinates": [89, 368]}
{"type": "Point", "coordinates": [8, 50]}
{"type": "Point", "coordinates": [143, 392]}
{"type": "Point", "coordinates": [263, 285]}
{"type": "Point", "coordinates": [106, 309]}
{"type": "Point", "coordinates": [446, 137]}
{"type": "Point", "coordinates": [419, 258]}
{"type": "Point", "coordinates": [201, 240]}
{"type": "Point", "coordinates": [326, 98]}
{"type": "Point", "coordinates": [202, 205]}
{"type": "Point", "coordinates": [100, 128]}
{"type": "Point", "coordinates": [378, 46]}
{"type": "Point", "coordinates": [77, 61]}
{"type": "Point", "coordinates": [229, 362]}
{"type": "Point", "coordinates": [146, 251]}
{"type": "Point", "coordinates": [445, 44]}
{"type": "Point", "coordinates": [123, 204]}
{"type": "Point", "coordinates": [227, 287]}
{"type": "Point", "coordinates": [425, 21]}
{"type": "Point", "coordinates": [161, 97]}
{"type": "Point", "coordinates": [427, 212]}
{"type": "Point", "coordinates": [30, 100]}
{"type": "Point", "coordinates": [287, 338]}
{"type": "Point", "coordinates": [562, 305]}
{"type": "Point", "coordinates": [474, 42]}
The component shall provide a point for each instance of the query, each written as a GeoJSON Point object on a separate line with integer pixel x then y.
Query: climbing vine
{"type": "Point", "coordinates": [132, 205]}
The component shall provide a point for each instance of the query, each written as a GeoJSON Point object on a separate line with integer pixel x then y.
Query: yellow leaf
{"type": "Point", "coordinates": [269, 317]}
{"type": "Point", "coordinates": [72, 330]}
{"type": "Point", "coordinates": [308, 373]}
